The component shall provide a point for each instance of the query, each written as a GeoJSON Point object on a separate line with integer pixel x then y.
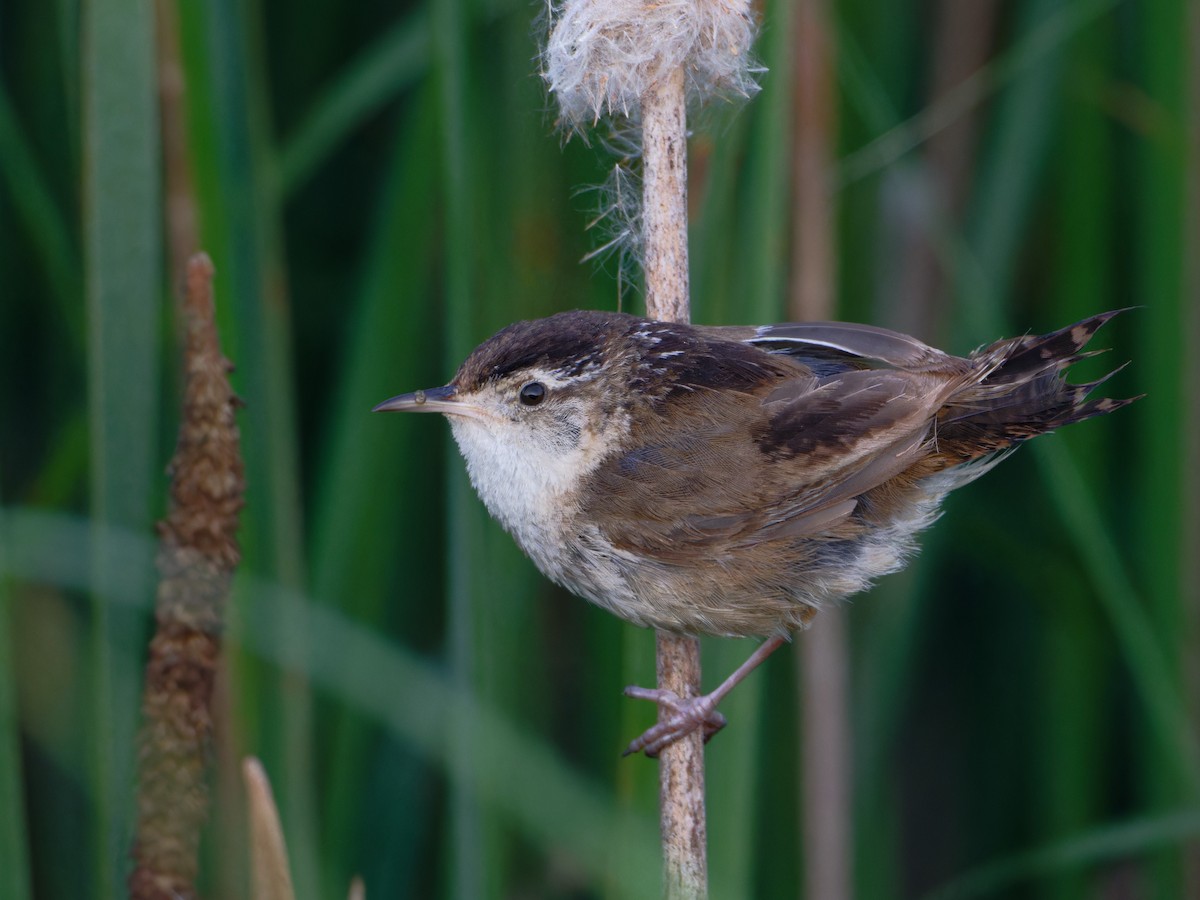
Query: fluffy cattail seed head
{"type": "Point", "coordinates": [602, 55]}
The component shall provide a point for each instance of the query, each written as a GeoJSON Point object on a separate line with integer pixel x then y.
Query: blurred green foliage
{"type": "Point", "coordinates": [381, 189]}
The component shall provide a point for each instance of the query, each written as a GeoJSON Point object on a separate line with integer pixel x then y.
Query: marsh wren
{"type": "Point", "coordinates": [734, 480]}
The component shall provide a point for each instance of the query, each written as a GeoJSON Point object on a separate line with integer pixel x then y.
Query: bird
{"type": "Point", "coordinates": [734, 480]}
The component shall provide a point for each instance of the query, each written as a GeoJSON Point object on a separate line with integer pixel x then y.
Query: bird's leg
{"type": "Point", "coordinates": [679, 717]}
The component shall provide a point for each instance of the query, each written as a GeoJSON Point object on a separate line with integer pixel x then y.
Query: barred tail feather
{"type": "Point", "coordinates": [1023, 392]}
{"type": "Point", "coordinates": [1034, 355]}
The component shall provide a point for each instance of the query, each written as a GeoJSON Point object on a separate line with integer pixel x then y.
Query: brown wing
{"type": "Point", "coordinates": [783, 461]}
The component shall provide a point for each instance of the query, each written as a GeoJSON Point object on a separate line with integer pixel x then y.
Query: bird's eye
{"type": "Point", "coordinates": [533, 393]}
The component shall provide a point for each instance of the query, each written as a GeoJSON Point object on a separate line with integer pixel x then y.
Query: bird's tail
{"type": "Point", "coordinates": [1022, 392]}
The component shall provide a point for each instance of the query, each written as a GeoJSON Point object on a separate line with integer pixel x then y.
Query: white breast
{"type": "Point", "coordinates": [529, 478]}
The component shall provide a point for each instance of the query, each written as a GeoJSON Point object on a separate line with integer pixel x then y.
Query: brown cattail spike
{"type": "Point", "coordinates": [196, 560]}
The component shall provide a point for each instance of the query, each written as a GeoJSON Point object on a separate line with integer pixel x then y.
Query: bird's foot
{"type": "Point", "coordinates": [681, 719]}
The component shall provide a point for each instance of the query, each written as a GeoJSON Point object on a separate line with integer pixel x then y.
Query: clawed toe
{"type": "Point", "coordinates": [655, 695]}
{"type": "Point", "coordinates": [681, 717]}
{"type": "Point", "coordinates": [684, 717]}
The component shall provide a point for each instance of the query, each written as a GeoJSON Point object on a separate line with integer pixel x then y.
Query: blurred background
{"type": "Point", "coordinates": [381, 186]}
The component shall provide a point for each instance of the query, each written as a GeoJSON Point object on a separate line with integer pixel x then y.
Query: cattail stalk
{"type": "Point", "coordinates": [636, 60]}
{"type": "Point", "coordinates": [681, 765]}
{"type": "Point", "coordinates": [664, 186]}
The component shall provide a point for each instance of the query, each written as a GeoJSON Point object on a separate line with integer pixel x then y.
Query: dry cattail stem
{"type": "Point", "coordinates": [682, 816]}
{"type": "Point", "coordinates": [643, 60]}
{"type": "Point", "coordinates": [664, 199]}
{"type": "Point", "coordinates": [196, 560]}
{"type": "Point", "coordinates": [681, 765]}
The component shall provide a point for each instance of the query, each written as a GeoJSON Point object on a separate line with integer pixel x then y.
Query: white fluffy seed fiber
{"type": "Point", "coordinates": [602, 55]}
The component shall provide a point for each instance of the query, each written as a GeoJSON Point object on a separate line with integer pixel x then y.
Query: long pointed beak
{"type": "Point", "coordinates": [435, 400]}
